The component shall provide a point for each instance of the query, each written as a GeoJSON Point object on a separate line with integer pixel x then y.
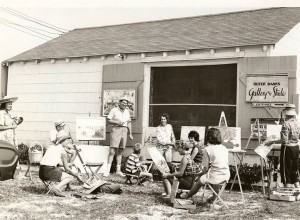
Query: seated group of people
{"type": "Point", "coordinates": [213, 160]}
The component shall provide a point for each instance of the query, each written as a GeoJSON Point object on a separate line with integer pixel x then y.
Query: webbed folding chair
{"type": "Point", "coordinates": [221, 186]}
{"type": "Point", "coordinates": [9, 156]}
{"type": "Point", "coordinates": [130, 177]}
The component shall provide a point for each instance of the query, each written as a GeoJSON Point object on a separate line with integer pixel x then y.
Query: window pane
{"type": "Point", "coordinates": [194, 84]}
{"type": "Point", "coordinates": [191, 116]}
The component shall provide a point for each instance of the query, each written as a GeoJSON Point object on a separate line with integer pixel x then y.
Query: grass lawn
{"type": "Point", "coordinates": [25, 199]}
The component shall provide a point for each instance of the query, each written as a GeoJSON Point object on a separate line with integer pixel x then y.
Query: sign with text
{"type": "Point", "coordinates": [267, 89]}
{"type": "Point", "coordinates": [263, 122]}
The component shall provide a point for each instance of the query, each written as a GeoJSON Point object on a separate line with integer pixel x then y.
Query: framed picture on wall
{"type": "Point", "coordinates": [111, 98]}
{"type": "Point", "coordinates": [90, 128]}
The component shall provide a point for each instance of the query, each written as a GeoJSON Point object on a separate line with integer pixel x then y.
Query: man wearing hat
{"type": "Point", "coordinates": [289, 153]}
{"type": "Point", "coordinates": [119, 118]}
{"type": "Point", "coordinates": [59, 125]}
{"type": "Point", "coordinates": [7, 123]}
{"type": "Point", "coordinates": [55, 156]}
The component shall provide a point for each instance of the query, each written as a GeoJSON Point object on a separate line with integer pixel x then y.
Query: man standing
{"type": "Point", "coordinates": [289, 154]}
{"type": "Point", "coordinates": [119, 118]}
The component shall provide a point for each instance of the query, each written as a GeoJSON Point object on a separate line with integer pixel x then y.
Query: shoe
{"type": "Point", "coordinates": [184, 195]}
{"type": "Point", "coordinates": [120, 173]}
{"type": "Point", "coordinates": [106, 174]}
{"type": "Point", "coordinates": [57, 192]}
{"type": "Point", "coordinates": [163, 194]}
{"type": "Point", "coordinates": [211, 199]}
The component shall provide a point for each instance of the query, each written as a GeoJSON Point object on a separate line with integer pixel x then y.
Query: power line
{"type": "Point", "coordinates": [23, 31]}
{"type": "Point", "coordinates": [31, 19]}
{"type": "Point", "coordinates": [11, 23]}
{"type": "Point", "coordinates": [35, 19]}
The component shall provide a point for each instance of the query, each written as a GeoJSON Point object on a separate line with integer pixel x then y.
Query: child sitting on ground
{"type": "Point", "coordinates": [134, 166]}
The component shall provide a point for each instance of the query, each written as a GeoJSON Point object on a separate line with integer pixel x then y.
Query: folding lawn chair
{"type": "Point", "coordinates": [9, 156]}
{"type": "Point", "coordinates": [130, 177]}
{"type": "Point", "coordinates": [221, 187]}
{"type": "Point", "coordinates": [48, 186]}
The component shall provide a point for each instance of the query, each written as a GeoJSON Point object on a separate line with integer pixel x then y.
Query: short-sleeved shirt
{"type": "Point", "coordinates": [133, 163]}
{"type": "Point", "coordinates": [9, 134]}
{"type": "Point", "coordinates": [290, 131]}
{"type": "Point", "coordinates": [165, 134]}
{"type": "Point", "coordinates": [217, 156]}
{"type": "Point", "coordinates": [118, 114]}
{"type": "Point", "coordinates": [52, 156]}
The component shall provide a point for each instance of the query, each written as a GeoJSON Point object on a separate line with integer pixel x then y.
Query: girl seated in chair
{"type": "Point", "coordinates": [215, 164]}
{"type": "Point", "coordinates": [183, 172]}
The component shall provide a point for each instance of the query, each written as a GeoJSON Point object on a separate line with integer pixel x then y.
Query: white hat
{"type": "Point", "coordinates": [124, 99]}
{"type": "Point", "coordinates": [8, 99]}
{"type": "Point", "coordinates": [59, 122]}
{"type": "Point", "coordinates": [290, 112]}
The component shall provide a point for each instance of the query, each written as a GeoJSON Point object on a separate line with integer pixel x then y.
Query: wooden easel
{"type": "Point", "coordinates": [261, 159]}
{"type": "Point", "coordinates": [235, 154]}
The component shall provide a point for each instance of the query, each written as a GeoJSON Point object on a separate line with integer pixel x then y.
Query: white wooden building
{"type": "Point", "coordinates": [193, 68]}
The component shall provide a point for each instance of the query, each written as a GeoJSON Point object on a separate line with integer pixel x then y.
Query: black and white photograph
{"type": "Point", "coordinates": [149, 110]}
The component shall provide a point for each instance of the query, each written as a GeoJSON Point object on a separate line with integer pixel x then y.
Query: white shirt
{"type": "Point", "coordinates": [165, 134]}
{"type": "Point", "coordinates": [217, 155]}
{"type": "Point", "coordinates": [117, 114]}
{"type": "Point", "coordinates": [52, 156]}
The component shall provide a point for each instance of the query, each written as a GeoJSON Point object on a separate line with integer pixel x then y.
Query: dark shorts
{"type": "Point", "coordinates": [289, 163]}
{"type": "Point", "coordinates": [185, 182]}
{"type": "Point", "coordinates": [48, 173]}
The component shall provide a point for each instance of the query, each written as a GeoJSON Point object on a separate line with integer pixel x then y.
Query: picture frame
{"type": "Point", "coordinates": [90, 128]}
{"type": "Point", "coordinates": [111, 99]}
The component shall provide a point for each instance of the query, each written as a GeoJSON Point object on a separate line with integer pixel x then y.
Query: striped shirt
{"type": "Point", "coordinates": [133, 163]}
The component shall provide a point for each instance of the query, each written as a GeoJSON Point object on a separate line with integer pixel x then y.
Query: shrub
{"type": "Point", "coordinates": [249, 175]}
{"type": "Point", "coordinates": [23, 153]}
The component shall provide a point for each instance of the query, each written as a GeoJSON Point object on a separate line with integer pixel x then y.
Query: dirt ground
{"type": "Point", "coordinates": [26, 199]}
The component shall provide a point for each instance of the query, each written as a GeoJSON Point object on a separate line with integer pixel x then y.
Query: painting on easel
{"type": "Point", "coordinates": [232, 137]}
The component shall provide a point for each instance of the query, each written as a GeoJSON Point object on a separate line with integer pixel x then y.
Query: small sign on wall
{"type": "Point", "coordinates": [267, 88]}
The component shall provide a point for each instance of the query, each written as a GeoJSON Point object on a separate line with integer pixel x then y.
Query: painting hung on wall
{"type": "Point", "coordinates": [111, 100]}
{"type": "Point", "coordinates": [90, 128]}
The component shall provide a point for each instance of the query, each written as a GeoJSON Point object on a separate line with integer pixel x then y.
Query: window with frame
{"type": "Point", "coordinates": [193, 95]}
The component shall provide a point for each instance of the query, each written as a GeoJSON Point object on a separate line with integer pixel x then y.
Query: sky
{"type": "Point", "coordinates": [69, 15]}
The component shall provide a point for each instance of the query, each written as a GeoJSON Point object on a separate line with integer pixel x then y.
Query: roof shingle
{"type": "Point", "coordinates": [264, 26]}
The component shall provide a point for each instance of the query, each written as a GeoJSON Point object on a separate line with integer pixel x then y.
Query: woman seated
{"type": "Point", "coordinates": [185, 179]}
{"type": "Point", "coordinates": [196, 149]}
{"type": "Point", "coordinates": [54, 157]}
{"type": "Point", "coordinates": [215, 164]}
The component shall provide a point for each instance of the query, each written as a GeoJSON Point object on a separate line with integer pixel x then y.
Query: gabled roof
{"type": "Point", "coordinates": [256, 27]}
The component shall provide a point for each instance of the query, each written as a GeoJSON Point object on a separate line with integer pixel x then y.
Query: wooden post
{"type": "Point", "coordinates": [261, 162]}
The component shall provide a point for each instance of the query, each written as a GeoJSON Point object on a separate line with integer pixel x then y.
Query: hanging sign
{"type": "Point", "coordinates": [267, 88]}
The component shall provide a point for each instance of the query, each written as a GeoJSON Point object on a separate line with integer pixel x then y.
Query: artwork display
{"type": "Point", "coordinates": [111, 99]}
{"type": "Point", "coordinates": [273, 132]}
{"type": "Point", "coordinates": [263, 122]}
{"type": "Point", "coordinates": [150, 136]}
{"type": "Point", "coordinates": [185, 130]}
{"type": "Point", "coordinates": [90, 128]}
{"type": "Point", "coordinates": [158, 160]}
{"type": "Point", "coordinates": [232, 137]}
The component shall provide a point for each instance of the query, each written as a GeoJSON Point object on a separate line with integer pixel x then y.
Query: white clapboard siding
{"type": "Point", "coordinates": [68, 107]}
{"type": "Point", "coordinates": [50, 116]}
{"type": "Point", "coordinates": [36, 78]}
{"type": "Point", "coordinates": [82, 87]}
{"type": "Point", "coordinates": [57, 97]}
{"type": "Point", "coordinates": [48, 92]}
